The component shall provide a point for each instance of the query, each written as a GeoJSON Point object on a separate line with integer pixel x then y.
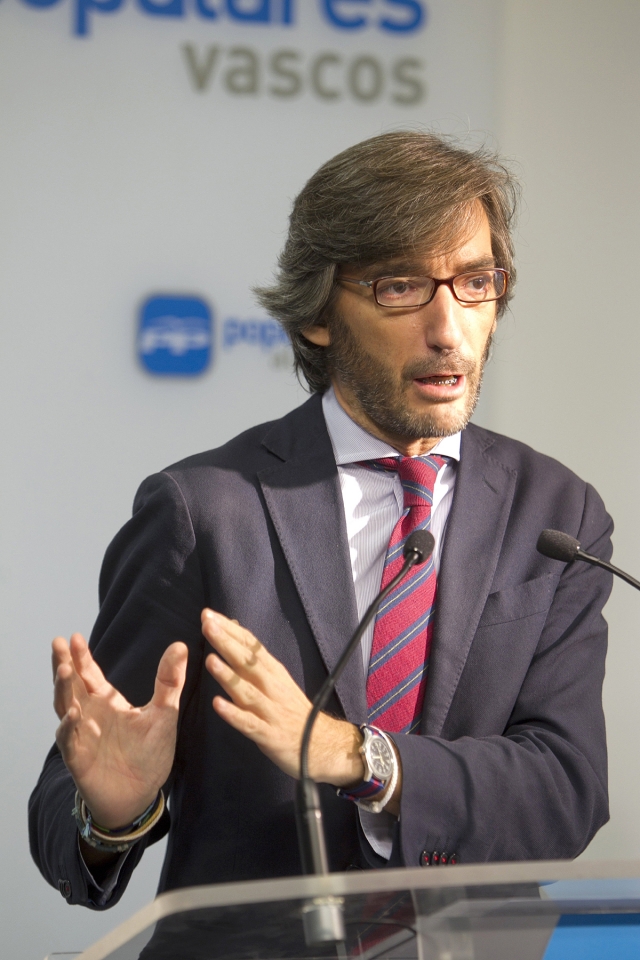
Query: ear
{"type": "Point", "coordinates": [317, 334]}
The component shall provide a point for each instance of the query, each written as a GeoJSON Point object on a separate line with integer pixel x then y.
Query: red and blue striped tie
{"type": "Point", "coordinates": [404, 626]}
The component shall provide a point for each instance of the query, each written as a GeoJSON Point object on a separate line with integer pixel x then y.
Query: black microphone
{"type": "Point", "coordinates": [561, 546]}
{"type": "Point", "coordinates": [323, 921]}
{"type": "Point", "coordinates": [421, 543]}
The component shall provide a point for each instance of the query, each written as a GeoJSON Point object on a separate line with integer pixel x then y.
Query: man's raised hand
{"type": "Point", "coordinates": [118, 755]}
{"type": "Point", "coordinates": [268, 707]}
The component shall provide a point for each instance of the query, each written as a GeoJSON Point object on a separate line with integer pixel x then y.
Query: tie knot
{"type": "Point", "coordinates": [417, 475]}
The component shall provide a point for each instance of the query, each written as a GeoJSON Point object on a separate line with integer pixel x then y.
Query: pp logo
{"type": "Point", "coordinates": [175, 336]}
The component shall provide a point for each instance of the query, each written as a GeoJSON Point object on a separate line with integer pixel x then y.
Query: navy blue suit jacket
{"type": "Point", "coordinates": [511, 764]}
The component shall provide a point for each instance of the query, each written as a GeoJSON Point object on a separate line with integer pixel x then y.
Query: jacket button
{"type": "Point", "coordinates": [65, 888]}
{"type": "Point", "coordinates": [425, 859]}
{"type": "Point", "coordinates": [443, 858]}
{"type": "Point", "coordinates": [435, 858]}
{"type": "Point", "coordinates": [453, 859]}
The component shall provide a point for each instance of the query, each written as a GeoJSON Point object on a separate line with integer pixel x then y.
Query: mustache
{"type": "Point", "coordinates": [438, 366]}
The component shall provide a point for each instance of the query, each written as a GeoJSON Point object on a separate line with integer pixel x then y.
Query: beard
{"type": "Point", "coordinates": [381, 392]}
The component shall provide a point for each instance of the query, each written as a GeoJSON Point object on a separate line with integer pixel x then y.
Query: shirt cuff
{"type": "Point", "coordinates": [100, 894]}
{"type": "Point", "coordinates": [378, 829]}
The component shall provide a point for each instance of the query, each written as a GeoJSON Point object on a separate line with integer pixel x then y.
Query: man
{"type": "Point", "coordinates": [245, 570]}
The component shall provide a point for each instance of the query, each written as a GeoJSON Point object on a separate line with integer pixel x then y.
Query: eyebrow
{"type": "Point", "coordinates": [416, 268]}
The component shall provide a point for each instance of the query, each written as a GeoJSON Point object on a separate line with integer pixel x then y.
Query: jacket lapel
{"type": "Point", "coordinates": [475, 531]}
{"type": "Point", "coordinates": [304, 501]}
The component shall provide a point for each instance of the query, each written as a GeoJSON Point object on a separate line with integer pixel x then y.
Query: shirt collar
{"type": "Point", "coordinates": [352, 443]}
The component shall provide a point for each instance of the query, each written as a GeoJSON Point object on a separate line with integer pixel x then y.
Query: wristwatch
{"type": "Point", "coordinates": [377, 753]}
{"type": "Point", "coordinates": [380, 771]}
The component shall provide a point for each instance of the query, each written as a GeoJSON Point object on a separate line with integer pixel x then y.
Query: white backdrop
{"type": "Point", "coordinates": [156, 154]}
{"type": "Point", "coordinates": [565, 375]}
{"type": "Point", "coordinates": [120, 178]}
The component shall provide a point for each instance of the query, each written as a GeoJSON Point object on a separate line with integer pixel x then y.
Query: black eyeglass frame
{"type": "Point", "coordinates": [447, 281]}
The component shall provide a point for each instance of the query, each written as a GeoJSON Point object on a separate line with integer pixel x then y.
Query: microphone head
{"type": "Point", "coordinates": [558, 545]}
{"type": "Point", "coordinates": [421, 544]}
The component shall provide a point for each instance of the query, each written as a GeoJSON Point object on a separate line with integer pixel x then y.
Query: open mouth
{"type": "Point", "coordinates": [449, 380]}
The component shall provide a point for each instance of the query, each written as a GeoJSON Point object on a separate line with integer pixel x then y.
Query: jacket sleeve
{"type": "Point", "coordinates": [538, 788]}
{"type": "Point", "coordinates": [150, 595]}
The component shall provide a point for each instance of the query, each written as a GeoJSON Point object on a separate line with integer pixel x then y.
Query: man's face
{"type": "Point", "coordinates": [411, 376]}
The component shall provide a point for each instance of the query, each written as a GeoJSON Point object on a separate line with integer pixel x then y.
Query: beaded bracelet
{"type": "Point", "coordinates": [115, 841]}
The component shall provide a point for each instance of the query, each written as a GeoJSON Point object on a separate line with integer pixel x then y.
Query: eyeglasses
{"type": "Point", "coordinates": [480, 286]}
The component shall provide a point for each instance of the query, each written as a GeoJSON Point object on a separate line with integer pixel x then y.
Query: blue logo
{"type": "Point", "coordinates": [395, 16]}
{"type": "Point", "coordinates": [175, 337]}
{"type": "Point", "coordinates": [266, 334]}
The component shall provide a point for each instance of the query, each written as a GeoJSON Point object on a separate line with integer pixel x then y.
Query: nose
{"type": "Point", "coordinates": [443, 319]}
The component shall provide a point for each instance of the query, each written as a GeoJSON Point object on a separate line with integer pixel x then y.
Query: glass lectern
{"type": "Point", "coordinates": [510, 911]}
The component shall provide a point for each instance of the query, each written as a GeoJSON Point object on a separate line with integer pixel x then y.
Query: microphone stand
{"type": "Point", "coordinates": [597, 562]}
{"type": "Point", "coordinates": [322, 918]}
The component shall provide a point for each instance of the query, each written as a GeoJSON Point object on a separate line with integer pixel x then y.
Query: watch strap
{"type": "Point", "coordinates": [364, 791]}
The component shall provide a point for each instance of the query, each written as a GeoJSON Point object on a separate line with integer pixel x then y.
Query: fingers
{"type": "Point", "coordinates": [266, 704]}
{"type": "Point", "coordinates": [65, 703]}
{"type": "Point", "coordinates": [65, 734]}
{"type": "Point", "coordinates": [86, 667]}
{"type": "Point", "coordinates": [66, 684]}
{"type": "Point", "coordinates": [238, 647]}
{"type": "Point", "coordinates": [60, 653]}
{"type": "Point", "coordinates": [75, 673]}
{"type": "Point", "coordinates": [63, 695]}
{"type": "Point", "coordinates": [243, 721]}
{"type": "Point", "coordinates": [243, 693]}
{"type": "Point", "coordinates": [170, 677]}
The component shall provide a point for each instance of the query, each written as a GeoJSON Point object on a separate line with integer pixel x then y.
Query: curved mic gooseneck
{"type": "Point", "coordinates": [313, 851]}
{"type": "Point", "coordinates": [561, 546]}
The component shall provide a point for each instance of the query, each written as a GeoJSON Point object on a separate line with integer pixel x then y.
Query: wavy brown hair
{"type": "Point", "coordinates": [394, 196]}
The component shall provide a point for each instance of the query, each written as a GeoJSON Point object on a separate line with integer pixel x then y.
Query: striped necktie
{"type": "Point", "coordinates": [404, 625]}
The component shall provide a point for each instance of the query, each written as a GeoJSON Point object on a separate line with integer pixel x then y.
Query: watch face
{"type": "Point", "coordinates": [380, 757]}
